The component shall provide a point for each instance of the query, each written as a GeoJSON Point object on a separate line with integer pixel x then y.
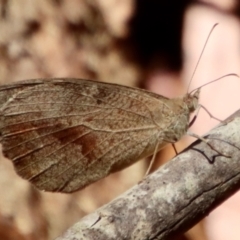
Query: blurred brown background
{"type": "Point", "coordinates": [152, 44]}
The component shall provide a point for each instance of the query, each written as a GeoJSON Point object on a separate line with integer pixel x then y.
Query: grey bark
{"type": "Point", "coordinates": [174, 198]}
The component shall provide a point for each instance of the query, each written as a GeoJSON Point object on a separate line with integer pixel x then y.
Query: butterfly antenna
{"type": "Point", "coordinates": [215, 80]}
{"type": "Point", "coordinates": [205, 44]}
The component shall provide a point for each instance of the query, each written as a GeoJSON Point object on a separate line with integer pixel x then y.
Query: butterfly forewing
{"type": "Point", "coordinates": [63, 134]}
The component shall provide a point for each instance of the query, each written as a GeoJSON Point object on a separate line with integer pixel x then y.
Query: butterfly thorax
{"type": "Point", "coordinates": [177, 116]}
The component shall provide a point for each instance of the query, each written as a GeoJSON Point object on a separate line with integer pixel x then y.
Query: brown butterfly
{"type": "Point", "coordinates": [64, 134]}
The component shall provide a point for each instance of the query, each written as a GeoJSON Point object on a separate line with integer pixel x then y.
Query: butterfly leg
{"type": "Point", "coordinates": [197, 112]}
{"type": "Point", "coordinates": [211, 116]}
{"type": "Point", "coordinates": [152, 160]}
{"type": "Point", "coordinates": [175, 149]}
{"type": "Point", "coordinates": [206, 141]}
{"type": "Point", "coordinates": [154, 157]}
{"type": "Point", "coordinates": [194, 117]}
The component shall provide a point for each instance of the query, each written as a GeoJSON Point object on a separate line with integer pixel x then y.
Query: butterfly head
{"type": "Point", "coordinates": [192, 100]}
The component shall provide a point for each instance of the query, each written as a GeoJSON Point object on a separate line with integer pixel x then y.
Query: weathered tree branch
{"type": "Point", "coordinates": [175, 197]}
